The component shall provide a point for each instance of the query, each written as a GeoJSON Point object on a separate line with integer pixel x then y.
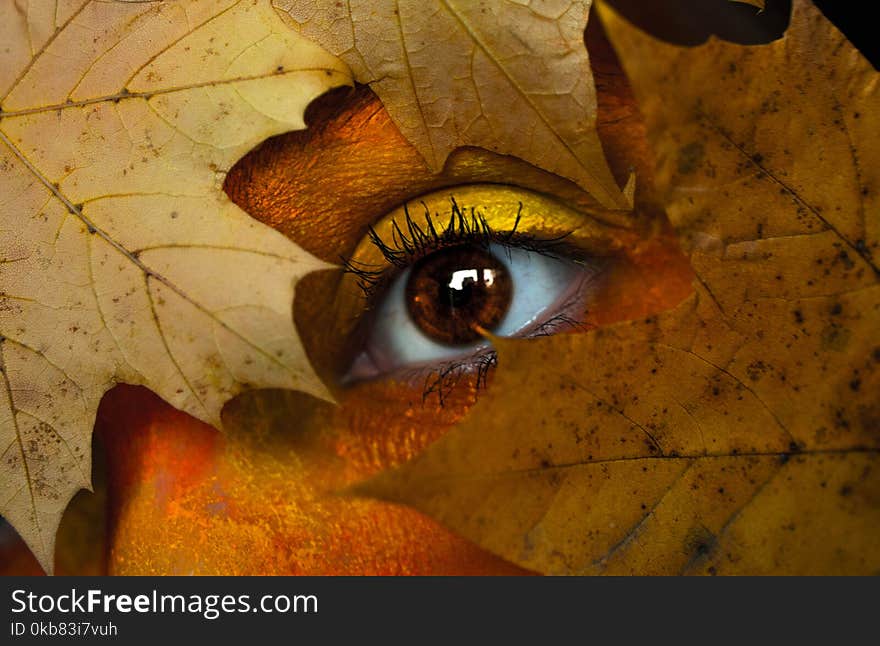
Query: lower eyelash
{"type": "Point", "coordinates": [557, 324]}
{"type": "Point", "coordinates": [441, 380]}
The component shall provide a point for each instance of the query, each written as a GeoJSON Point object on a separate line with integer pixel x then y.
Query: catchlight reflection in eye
{"type": "Point", "coordinates": [463, 274]}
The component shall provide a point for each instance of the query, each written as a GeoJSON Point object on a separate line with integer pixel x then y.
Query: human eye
{"type": "Point", "coordinates": [444, 272]}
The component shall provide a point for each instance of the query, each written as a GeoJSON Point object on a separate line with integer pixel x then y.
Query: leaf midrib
{"type": "Point", "coordinates": [525, 96]}
{"type": "Point", "coordinates": [125, 95]}
{"type": "Point", "coordinates": [783, 456]}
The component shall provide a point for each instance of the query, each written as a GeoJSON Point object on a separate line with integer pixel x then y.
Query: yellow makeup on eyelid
{"type": "Point", "coordinates": [498, 206]}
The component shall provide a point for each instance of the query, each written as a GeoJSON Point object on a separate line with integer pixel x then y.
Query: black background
{"type": "Point", "coordinates": [691, 22]}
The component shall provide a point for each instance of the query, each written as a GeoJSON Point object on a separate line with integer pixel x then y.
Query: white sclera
{"type": "Point", "coordinates": [541, 285]}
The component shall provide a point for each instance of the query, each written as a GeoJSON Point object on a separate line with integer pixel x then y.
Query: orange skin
{"type": "Point", "coordinates": [267, 496]}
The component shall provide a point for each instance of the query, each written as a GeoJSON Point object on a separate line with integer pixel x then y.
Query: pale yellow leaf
{"type": "Point", "coordinates": [121, 259]}
{"type": "Point", "coordinates": [504, 75]}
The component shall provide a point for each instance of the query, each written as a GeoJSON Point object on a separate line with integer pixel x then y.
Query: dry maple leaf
{"type": "Point", "coordinates": [739, 432]}
{"type": "Point", "coordinates": [511, 77]}
{"type": "Point", "coordinates": [122, 258]}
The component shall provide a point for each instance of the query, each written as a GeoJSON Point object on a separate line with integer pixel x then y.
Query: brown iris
{"type": "Point", "coordinates": [454, 293]}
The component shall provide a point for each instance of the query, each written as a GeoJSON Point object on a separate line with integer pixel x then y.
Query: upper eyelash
{"type": "Point", "coordinates": [464, 226]}
{"type": "Point", "coordinates": [403, 248]}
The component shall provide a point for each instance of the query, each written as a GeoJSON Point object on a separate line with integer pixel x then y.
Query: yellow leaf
{"type": "Point", "coordinates": [122, 258]}
{"type": "Point", "coordinates": [740, 432]}
{"type": "Point", "coordinates": [506, 76]}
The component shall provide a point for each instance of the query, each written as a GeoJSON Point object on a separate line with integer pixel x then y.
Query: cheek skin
{"type": "Point", "coordinates": [261, 500]}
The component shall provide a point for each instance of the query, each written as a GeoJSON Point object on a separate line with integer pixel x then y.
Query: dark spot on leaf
{"type": "Point", "coordinates": [835, 337]}
{"type": "Point", "coordinates": [690, 157]}
{"type": "Point", "coordinates": [699, 541]}
{"type": "Point", "coordinates": [846, 260]}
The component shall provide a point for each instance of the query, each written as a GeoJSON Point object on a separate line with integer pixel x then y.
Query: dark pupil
{"type": "Point", "coordinates": [452, 294]}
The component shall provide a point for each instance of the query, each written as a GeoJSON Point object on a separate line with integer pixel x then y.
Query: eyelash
{"type": "Point", "coordinates": [464, 226]}
{"type": "Point", "coordinates": [442, 379]}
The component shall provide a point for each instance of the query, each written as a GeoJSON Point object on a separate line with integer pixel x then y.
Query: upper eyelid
{"type": "Point", "coordinates": [407, 237]}
{"type": "Point", "coordinates": [462, 197]}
